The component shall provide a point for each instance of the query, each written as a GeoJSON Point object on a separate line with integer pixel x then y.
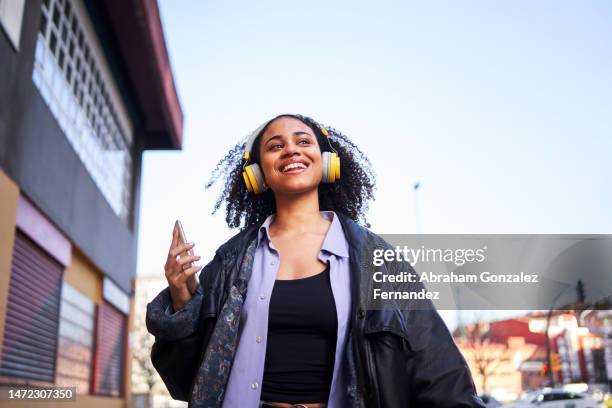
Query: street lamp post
{"type": "Point", "coordinates": [417, 214]}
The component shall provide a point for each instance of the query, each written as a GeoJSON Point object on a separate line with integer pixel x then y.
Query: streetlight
{"type": "Point", "coordinates": [416, 187]}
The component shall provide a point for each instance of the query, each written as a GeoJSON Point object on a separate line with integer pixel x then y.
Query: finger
{"type": "Point", "coordinates": [180, 248]}
{"type": "Point", "coordinates": [175, 236]}
{"type": "Point", "coordinates": [187, 260]}
{"type": "Point", "coordinates": [191, 271]}
{"type": "Point", "coordinates": [173, 243]}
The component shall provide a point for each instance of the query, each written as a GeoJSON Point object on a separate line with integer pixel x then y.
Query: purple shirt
{"type": "Point", "coordinates": [244, 385]}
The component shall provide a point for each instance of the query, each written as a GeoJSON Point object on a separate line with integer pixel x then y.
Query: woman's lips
{"type": "Point", "coordinates": [297, 170]}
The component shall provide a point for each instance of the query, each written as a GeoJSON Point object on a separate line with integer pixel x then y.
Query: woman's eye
{"type": "Point", "coordinates": [278, 145]}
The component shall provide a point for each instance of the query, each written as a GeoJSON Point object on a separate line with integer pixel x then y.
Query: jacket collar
{"type": "Point", "coordinates": [354, 232]}
{"type": "Point", "coordinates": [357, 237]}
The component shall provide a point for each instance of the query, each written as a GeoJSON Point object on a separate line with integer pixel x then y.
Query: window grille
{"type": "Point", "coordinates": [74, 80]}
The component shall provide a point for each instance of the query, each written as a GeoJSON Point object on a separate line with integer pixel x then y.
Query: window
{"type": "Point", "coordinates": [72, 75]}
{"type": "Point", "coordinates": [30, 331]}
{"type": "Point", "coordinates": [110, 351]}
{"type": "Point", "coordinates": [11, 15]}
{"type": "Point", "coordinates": [75, 345]}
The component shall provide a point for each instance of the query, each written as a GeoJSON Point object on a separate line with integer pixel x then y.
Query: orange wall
{"type": "Point", "coordinates": [84, 276]}
{"type": "Point", "coordinates": [9, 195]}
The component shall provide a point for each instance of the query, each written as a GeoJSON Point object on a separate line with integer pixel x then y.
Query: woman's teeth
{"type": "Point", "coordinates": [294, 166]}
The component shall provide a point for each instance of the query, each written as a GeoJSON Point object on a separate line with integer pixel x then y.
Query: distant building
{"type": "Point", "coordinates": [599, 323]}
{"type": "Point", "coordinates": [579, 342]}
{"type": "Point", "coordinates": [516, 350]}
{"type": "Point", "coordinates": [85, 88]}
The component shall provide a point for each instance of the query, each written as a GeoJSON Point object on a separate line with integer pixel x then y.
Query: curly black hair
{"type": "Point", "coordinates": [350, 195]}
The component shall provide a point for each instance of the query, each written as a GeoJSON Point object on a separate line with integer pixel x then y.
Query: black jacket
{"type": "Point", "coordinates": [403, 358]}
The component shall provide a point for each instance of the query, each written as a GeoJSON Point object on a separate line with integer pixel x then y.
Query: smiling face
{"type": "Point", "coordinates": [290, 157]}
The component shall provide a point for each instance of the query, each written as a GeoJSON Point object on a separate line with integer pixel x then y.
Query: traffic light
{"type": "Point", "coordinates": [544, 370]}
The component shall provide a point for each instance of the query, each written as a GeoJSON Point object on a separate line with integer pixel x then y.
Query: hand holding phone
{"type": "Point", "coordinates": [183, 240]}
{"type": "Point", "coordinates": [180, 269]}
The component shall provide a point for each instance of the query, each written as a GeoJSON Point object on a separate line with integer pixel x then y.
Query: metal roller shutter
{"type": "Point", "coordinates": [30, 332]}
{"type": "Point", "coordinates": [110, 351]}
{"type": "Point", "coordinates": [75, 348]}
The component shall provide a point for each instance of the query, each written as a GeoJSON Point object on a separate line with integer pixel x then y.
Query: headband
{"type": "Point", "coordinates": [253, 136]}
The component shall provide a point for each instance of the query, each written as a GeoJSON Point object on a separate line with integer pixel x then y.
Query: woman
{"type": "Point", "coordinates": [279, 317]}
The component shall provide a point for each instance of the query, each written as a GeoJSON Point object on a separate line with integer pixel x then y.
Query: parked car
{"type": "Point", "coordinates": [557, 399]}
{"type": "Point", "coordinates": [490, 402]}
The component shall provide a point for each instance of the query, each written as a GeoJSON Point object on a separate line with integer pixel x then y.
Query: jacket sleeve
{"type": "Point", "coordinates": [441, 377]}
{"type": "Point", "coordinates": [176, 348]}
{"type": "Point", "coordinates": [167, 325]}
{"type": "Point", "coordinates": [180, 336]}
{"type": "Point", "coordinates": [440, 374]}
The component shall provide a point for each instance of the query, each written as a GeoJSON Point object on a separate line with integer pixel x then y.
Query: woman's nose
{"type": "Point", "coordinates": [290, 148]}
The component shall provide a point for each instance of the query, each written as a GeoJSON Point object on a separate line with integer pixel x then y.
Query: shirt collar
{"type": "Point", "coordinates": [334, 242]}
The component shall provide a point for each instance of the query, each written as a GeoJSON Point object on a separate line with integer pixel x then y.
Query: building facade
{"type": "Point", "coordinates": [85, 88]}
{"type": "Point", "coordinates": [512, 353]}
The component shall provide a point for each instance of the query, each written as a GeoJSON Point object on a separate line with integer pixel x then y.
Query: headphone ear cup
{"type": "Point", "coordinates": [250, 179]}
{"type": "Point", "coordinates": [253, 178]}
{"type": "Point", "coordinates": [337, 160]}
{"type": "Point", "coordinates": [247, 180]}
{"type": "Point", "coordinates": [332, 168]}
{"type": "Point", "coordinates": [325, 158]}
{"type": "Point", "coordinates": [259, 186]}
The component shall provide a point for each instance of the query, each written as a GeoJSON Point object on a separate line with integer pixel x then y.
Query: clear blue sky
{"type": "Point", "coordinates": [502, 110]}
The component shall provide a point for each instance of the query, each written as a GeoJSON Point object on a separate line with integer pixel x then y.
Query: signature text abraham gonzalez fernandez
{"type": "Point", "coordinates": [452, 277]}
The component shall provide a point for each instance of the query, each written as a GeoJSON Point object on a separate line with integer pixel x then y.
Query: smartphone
{"type": "Point", "coordinates": [182, 238]}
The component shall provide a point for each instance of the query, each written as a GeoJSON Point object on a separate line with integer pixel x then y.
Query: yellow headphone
{"type": "Point", "coordinates": [253, 176]}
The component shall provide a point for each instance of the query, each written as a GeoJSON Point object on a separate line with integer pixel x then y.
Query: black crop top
{"type": "Point", "coordinates": [301, 345]}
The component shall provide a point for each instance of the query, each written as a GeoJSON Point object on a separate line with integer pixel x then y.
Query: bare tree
{"type": "Point", "coordinates": [486, 355]}
{"type": "Point", "coordinates": [145, 378]}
